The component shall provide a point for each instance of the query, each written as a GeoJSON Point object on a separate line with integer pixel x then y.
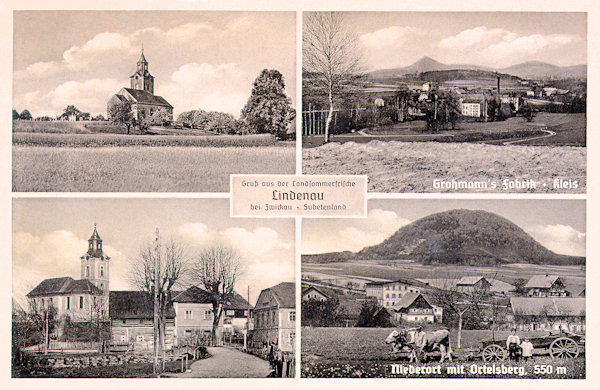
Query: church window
{"type": "Point", "coordinates": [68, 303]}
{"type": "Point", "coordinates": [87, 271]}
{"type": "Point", "coordinates": [81, 302]}
{"type": "Point", "coordinates": [101, 271]}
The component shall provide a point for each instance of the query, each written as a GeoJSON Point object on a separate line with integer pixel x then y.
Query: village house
{"type": "Point", "coordinates": [80, 300]}
{"type": "Point", "coordinates": [414, 307]}
{"type": "Point", "coordinates": [546, 286]}
{"type": "Point", "coordinates": [548, 313]}
{"type": "Point", "coordinates": [194, 316]}
{"type": "Point", "coordinates": [236, 315]}
{"type": "Point", "coordinates": [132, 320]}
{"type": "Point", "coordinates": [275, 317]}
{"type": "Point", "coordinates": [144, 104]}
{"type": "Point", "coordinates": [470, 284]}
{"type": "Point", "coordinates": [389, 294]}
{"type": "Point", "coordinates": [314, 293]}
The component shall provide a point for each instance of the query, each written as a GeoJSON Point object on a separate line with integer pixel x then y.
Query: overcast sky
{"type": "Point", "coordinates": [494, 39]}
{"type": "Point", "coordinates": [49, 236]}
{"type": "Point", "coordinates": [559, 225]}
{"type": "Point", "coordinates": [200, 60]}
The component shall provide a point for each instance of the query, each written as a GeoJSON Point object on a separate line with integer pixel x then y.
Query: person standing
{"type": "Point", "coordinates": [526, 349]}
{"type": "Point", "coordinates": [513, 343]}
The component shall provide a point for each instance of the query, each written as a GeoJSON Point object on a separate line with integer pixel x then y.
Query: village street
{"type": "Point", "coordinates": [226, 363]}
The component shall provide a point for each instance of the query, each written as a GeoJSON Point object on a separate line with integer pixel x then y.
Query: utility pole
{"type": "Point", "coordinates": [47, 334]}
{"type": "Point", "coordinates": [247, 322]}
{"type": "Point", "coordinates": [156, 264]}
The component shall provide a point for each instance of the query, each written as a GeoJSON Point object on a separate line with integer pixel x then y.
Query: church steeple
{"type": "Point", "coordinates": [142, 79]}
{"type": "Point", "coordinates": [95, 264]}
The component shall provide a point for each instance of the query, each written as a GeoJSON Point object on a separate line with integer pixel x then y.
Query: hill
{"type": "Point", "coordinates": [526, 70]}
{"type": "Point", "coordinates": [458, 237]}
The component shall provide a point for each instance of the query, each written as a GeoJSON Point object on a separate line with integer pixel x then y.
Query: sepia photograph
{"type": "Point", "coordinates": [446, 289]}
{"type": "Point", "coordinates": [151, 101]}
{"type": "Point", "coordinates": [482, 102]}
{"type": "Point", "coordinates": [146, 288]}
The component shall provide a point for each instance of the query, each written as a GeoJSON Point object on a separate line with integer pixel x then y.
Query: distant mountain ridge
{"type": "Point", "coordinates": [525, 70]}
{"type": "Point", "coordinates": [461, 236]}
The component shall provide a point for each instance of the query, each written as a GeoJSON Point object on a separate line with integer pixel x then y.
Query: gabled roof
{"type": "Point", "coordinates": [470, 280]}
{"type": "Point", "coordinates": [282, 295]}
{"type": "Point", "coordinates": [237, 302]}
{"type": "Point", "coordinates": [193, 295]}
{"type": "Point", "coordinates": [134, 304]}
{"type": "Point", "coordinates": [307, 289]}
{"type": "Point", "coordinates": [548, 306]}
{"type": "Point", "coordinates": [542, 281]}
{"type": "Point", "coordinates": [63, 286]}
{"type": "Point", "coordinates": [145, 97]}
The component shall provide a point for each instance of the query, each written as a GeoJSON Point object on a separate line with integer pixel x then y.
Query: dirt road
{"type": "Point", "coordinates": [227, 363]}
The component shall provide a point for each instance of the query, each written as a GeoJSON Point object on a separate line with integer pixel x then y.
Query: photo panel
{"type": "Point", "coordinates": [483, 102]}
{"type": "Point", "coordinates": [151, 101]}
{"type": "Point", "coordinates": [141, 288]}
{"type": "Point", "coordinates": [442, 288]}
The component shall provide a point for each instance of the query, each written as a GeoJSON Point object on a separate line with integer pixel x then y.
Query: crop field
{"type": "Point", "coordinates": [413, 166]}
{"type": "Point", "coordinates": [142, 168]}
{"type": "Point", "coordinates": [362, 353]}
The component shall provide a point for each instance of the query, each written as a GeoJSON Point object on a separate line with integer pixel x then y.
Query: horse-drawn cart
{"type": "Point", "coordinates": [557, 344]}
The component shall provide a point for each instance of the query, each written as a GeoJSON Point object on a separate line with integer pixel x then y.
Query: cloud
{"type": "Point", "coordinates": [195, 233]}
{"type": "Point", "coordinates": [322, 236]}
{"type": "Point", "coordinates": [223, 87]}
{"type": "Point", "coordinates": [256, 244]}
{"type": "Point", "coordinates": [562, 239]}
{"type": "Point", "coordinates": [56, 254]}
{"type": "Point", "coordinates": [87, 95]}
{"type": "Point", "coordinates": [494, 45]}
{"type": "Point", "coordinates": [393, 36]}
{"type": "Point", "coordinates": [187, 32]}
{"type": "Point", "coordinates": [80, 57]}
{"type": "Point", "coordinates": [38, 69]}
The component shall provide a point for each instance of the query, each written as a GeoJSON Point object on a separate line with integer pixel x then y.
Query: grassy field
{"type": "Point", "coordinates": [570, 130]}
{"type": "Point", "coordinates": [412, 167]}
{"type": "Point", "coordinates": [362, 353]}
{"type": "Point", "coordinates": [573, 276]}
{"type": "Point", "coordinates": [142, 168]}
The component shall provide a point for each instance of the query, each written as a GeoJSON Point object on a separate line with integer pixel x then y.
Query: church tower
{"type": "Point", "coordinates": [142, 79]}
{"type": "Point", "coordinates": [94, 264]}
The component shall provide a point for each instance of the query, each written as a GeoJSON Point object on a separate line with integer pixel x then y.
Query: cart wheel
{"type": "Point", "coordinates": [493, 352]}
{"type": "Point", "coordinates": [564, 348]}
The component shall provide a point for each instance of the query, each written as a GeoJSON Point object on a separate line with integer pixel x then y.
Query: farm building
{"type": "Point", "coordinates": [275, 317]}
{"type": "Point", "coordinates": [549, 313]}
{"type": "Point", "coordinates": [236, 315]}
{"type": "Point", "coordinates": [471, 108]}
{"type": "Point", "coordinates": [194, 316]}
{"type": "Point", "coordinates": [80, 300]}
{"type": "Point", "coordinates": [389, 294]}
{"type": "Point", "coordinates": [132, 320]}
{"type": "Point", "coordinates": [313, 293]}
{"type": "Point", "coordinates": [414, 307]}
{"type": "Point", "coordinates": [144, 103]}
{"type": "Point", "coordinates": [473, 283]}
{"type": "Point", "coordinates": [546, 286]}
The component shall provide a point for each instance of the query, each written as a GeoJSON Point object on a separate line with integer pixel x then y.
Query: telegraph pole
{"type": "Point", "coordinates": [156, 264]}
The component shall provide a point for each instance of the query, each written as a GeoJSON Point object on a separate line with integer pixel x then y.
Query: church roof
{"type": "Point", "coordinates": [145, 97]}
{"type": "Point", "coordinates": [142, 58]}
{"type": "Point", "coordinates": [64, 286]}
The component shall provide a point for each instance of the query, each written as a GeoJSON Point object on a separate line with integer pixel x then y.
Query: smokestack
{"type": "Point", "coordinates": [498, 85]}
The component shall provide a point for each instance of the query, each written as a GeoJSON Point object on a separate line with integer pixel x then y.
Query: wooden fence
{"type": "Point", "coordinates": [313, 121]}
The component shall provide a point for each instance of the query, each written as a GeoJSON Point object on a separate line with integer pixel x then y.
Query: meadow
{"type": "Point", "coordinates": [413, 166]}
{"type": "Point", "coordinates": [362, 353]}
{"type": "Point", "coordinates": [143, 168]}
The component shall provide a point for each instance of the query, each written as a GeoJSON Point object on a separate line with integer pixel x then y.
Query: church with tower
{"type": "Point", "coordinates": [144, 104]}
{"type": "Point", "coordinates": [82, 300]}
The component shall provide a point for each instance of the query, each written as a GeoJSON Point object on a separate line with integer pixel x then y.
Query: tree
{"type": "Point", "coordinates": [217, 270]}
{"type": "Point", "coordinates": [329, 51]}
{"type": "Point", "coordinates": [15, 114]}
{"type": "Point", "coordinates": [458, 304]}
{"type": "Point", "coordinates": [373, 315]}
{"type": "Point", "coordinates": [268, 108]}
{"type": "Point", "coordinates": [121, 113]}
{"type": "Point", "coordinates": [158, 118]}
{"type": "Point", "coordinates": [320, 313]}
{"type": "Point", "coordinates": [519, 284]}
{"type": "Point", "coordinates": [99, 117]}
{"type": "Point", "coordinates": [158, 268]}
{"type": "Point", "coordinates": [25, 115]}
